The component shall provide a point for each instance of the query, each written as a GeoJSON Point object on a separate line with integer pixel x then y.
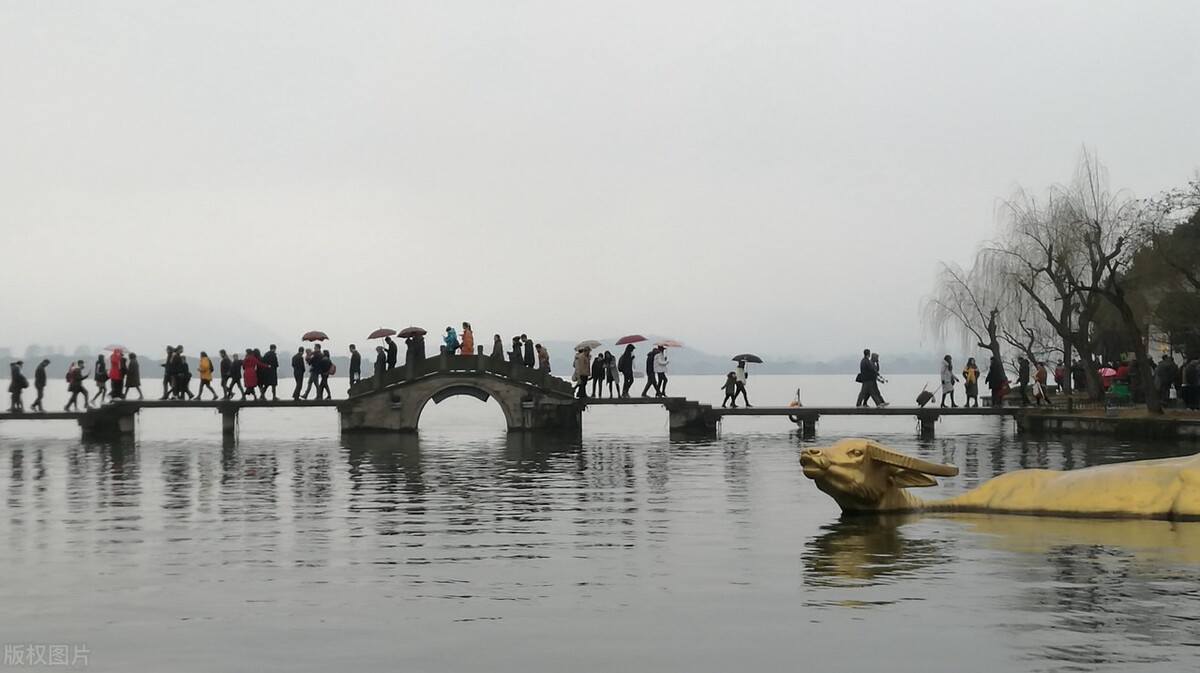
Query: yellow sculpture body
{"type": "Point", "coordinates": [864, 476]}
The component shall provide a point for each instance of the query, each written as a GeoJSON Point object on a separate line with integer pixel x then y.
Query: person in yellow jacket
{"type": "Point", "coordinates": [970, 374]}
{"type": "Point", "coordinates": [206, 372]}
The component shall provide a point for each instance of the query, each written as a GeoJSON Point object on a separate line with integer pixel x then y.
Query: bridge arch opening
{"type": "Point", "coordinates": [462, 409]}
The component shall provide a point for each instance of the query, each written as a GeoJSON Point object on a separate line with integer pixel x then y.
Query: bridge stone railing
{"type": "Point", "coordinates": [443, 363]}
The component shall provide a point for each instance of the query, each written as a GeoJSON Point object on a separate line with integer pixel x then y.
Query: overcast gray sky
{"type": "Point", "coordinates": [778, 177]}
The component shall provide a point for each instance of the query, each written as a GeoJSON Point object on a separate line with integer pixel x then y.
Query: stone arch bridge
{"type": "Point", "coordinates": [393, 402]}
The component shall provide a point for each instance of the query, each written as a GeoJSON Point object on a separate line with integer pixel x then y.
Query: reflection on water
{"type": "Point", "coordinates": [863, 551]}
{"type": "Point", "coordinates": [615, 551]}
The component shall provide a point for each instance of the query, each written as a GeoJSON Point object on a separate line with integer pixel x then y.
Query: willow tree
{"type": "Point", "coordinates": [965, 305]}
{"type": "Point", "coordinates": [1068, 254]}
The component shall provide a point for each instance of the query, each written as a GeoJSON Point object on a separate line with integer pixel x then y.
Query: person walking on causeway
{"type": "Point", "coordinates": [651, 379]}
{"type": "Point", "coordinates": [948, 381]}
{"type": "Point", "coordinates": [661, 362]}
{"type": "Point", "coordinates": [205, 367]}
{"type": "Point", "coordinates": [580, 374]}
{"type": "Point", "coordinates": [730, 388]}
{"type": "Point", "coordinates": [75, 378]}
{"type": "Point", "coordinates": [101, 378]}
{"type": "Point", "coordinates": [133, 375]}
{"type": "Point", "coordinates": [250, 365]}
{"type": "Point", "coordinates": [298, 366]}
{"type": "Point", "coordinates": [39, 385]}
{"type": "Point", "coordinates": [625, 366]}
{"type": "Point", "coordinates": [740, 375]}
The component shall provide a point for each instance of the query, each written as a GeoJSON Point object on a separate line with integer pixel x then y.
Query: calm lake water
{"type": "Point", "coordinates": [464, 549]}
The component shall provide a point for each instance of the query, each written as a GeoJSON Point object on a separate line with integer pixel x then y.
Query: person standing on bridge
{"type": "Point", "coordinates": [39, 384]}
{"type": "Point", "coordinates": [101, 378]}
{"type": "Point", "coordinates": [167, 366]}
{"type": "Point", "coordinates": [661, 362]}
{"type": "Point", "coordinates": [75, 378]}
{"type": "Point", "coordinates": [205, 367]}
{"type": "Point", "coordinates": [327, 370]}
{"type": "Point", "coordinates": [270, 373]}
{"type": "Point", "coordinates": [997, 382]}
{"type": "Point", "coordinates": [468, 340]}
{"type": "Point", "coordinates": [580, 374]}
{"type": "Point", "coordinates": [543, 358]}
{"type": "Point", "coordinates": [355, 365]}
{"type": "Point", "coordinates": [970, 374]}
{"type": "Point", "coordinates": [528, 359]}
{"type": "Point", "coordinates": [393, 349]}
{"type": "Point", "coordinates": [451, 341]}
{"type": "Point", "coordinates": [1023, 379]}
{"type": "Point", "coordinates": [948, 381]}
{"type": "Point", "coordinates": [133, 376]}
{"type": "Point", "coordinates": [380, 366]}
{"type": "Point", "coordinates": [516, 356]}
{"type": "Point", "coordinates": [651, 378]}
{"type": "Point", "coordinates": [625, 366]}
{"type": "Point", "coordinates": [116, 376]}
{"type": "Point", "coordinates": [611, 377]}
{"type": "Point", "coordinates": [17, 383]}
{"type": "Point", "coordinates": [298, 366]}
{"type": "Point", "coordinates": [497, 349]}
{"type": "Point", "coordinates": [598, 375]}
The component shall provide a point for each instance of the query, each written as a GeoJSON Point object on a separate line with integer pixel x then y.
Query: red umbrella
{"type": "Point", "coordinates": [381, 332]}
{"type": "Point", "coordinates": [314, 336]}
{"type": "Point", "coordinates": [631, 339]}
{"type": "Point", "coordinates": [668, 343]}
{"type": "Point", "coordinates": [412, 332]}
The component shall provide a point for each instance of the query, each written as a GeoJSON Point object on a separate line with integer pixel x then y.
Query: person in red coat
{"type": "Point", "coordinates": [116, 377]}
{"type": "Point", "coordinates": [250, 365]}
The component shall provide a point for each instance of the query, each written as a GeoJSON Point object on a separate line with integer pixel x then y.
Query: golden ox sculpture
{"type": "Point", "coordinates": [864, 476]}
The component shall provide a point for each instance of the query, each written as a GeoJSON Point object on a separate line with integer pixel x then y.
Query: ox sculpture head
{"type": "Point", "coordinates": [864, 476]}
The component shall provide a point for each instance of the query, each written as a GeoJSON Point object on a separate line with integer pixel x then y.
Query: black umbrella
{"type": "Point", "coordinates": [747, 357]}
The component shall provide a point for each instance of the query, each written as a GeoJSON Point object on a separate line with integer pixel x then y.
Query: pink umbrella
{"type": "Point", "coordinates": [668, 343]}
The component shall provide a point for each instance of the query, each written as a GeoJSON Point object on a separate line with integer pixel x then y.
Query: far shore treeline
{"type": "Point", "coordinates": [683, 360]}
